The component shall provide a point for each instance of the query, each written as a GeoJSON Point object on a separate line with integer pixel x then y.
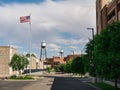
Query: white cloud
{"type": "Point", "coordinates": [15, 46]}
{"type": "Point", "coordinates": [72, 41]}
{"type": "Point", "coordinates": [73, 47]}
{"type": "Point", "coordinates": [48, 19]}
{"type": "Point", "coordinates": [52, 45]}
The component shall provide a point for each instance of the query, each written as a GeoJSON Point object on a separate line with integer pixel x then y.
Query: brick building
{"type": "Point", "coordinates": [60, 60]}
{"type": "Point", "coordinates": [71, 57]}
{"type": "Point", "coordinates": [56, 61]}
{"type": "Point", "coordinates": [6, 53]}
{"type": "Point", "coordinates": [107, 11]}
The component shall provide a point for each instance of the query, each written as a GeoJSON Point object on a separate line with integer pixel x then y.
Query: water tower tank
{"type": "Point", "coordinates": [43, 54]}
{"type": "Point", "coordinates": [43, 44]}
{"type": "Point", "coordinates": [61, 51]}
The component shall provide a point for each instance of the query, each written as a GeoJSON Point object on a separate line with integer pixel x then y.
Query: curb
{"type": "Point", "coordinates": [23, 79]}
{"type": "Point", "coordinates": [20, 80]}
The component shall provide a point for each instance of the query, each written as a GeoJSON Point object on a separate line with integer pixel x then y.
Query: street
{"type": "Point", "coordinates": [70, 83]}
{"type": "Point", "coordinates": [49, 82]}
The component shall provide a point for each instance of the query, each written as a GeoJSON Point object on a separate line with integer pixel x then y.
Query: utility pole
{"type": "Point", "coordinates": [92, 31]}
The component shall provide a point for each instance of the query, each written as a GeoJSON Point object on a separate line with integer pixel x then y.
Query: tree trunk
{"type": "Point", "coordinates": [116, 87]}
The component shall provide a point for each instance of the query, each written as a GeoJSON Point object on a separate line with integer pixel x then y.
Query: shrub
{"type": "Point", "coordinates": [21, 77]}
{"type": "Point", "coordinates": [28, 77]}
{"type": "Point", "coordinates": [48, 69]}
{"type": "Point", "coordinates": [13, 77]}
{"type": "Point", "coordinates": [57, 68]}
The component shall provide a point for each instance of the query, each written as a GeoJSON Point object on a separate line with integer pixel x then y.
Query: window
{"type": "Point", "coordinates": [111, 15]}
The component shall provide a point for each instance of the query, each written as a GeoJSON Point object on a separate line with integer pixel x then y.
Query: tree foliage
{"type": "Point", "coordinates": [90, 64]}
{"type": "Point", "coordinates": [18, 63]}
{"type": "Point", "coordinates": [62, 67]}
{"type": "Point", "coordinates": [67, 67]}
{"type": "Point", "coordinates": [106, 52]}
{"type": "Point", "coordinates": [78, 66]}
{"type": "Point", "coordinates": [28, 55]}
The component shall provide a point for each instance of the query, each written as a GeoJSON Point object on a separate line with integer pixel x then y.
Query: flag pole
{"type": "Point", "coordinates": [25, 19]}
{"type": "Point", "coordinates": [30, 44]}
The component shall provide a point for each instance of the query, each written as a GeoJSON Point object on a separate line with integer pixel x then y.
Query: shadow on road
{"type": "Point", "coordinates": [70, 83]}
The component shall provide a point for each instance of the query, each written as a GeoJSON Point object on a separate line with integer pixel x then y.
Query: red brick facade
{"type": "Point", "coordinates": [60, 60]}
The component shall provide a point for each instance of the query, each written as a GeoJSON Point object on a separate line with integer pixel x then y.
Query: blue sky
{"type": "Point", "coordinates": [21, 1]}
{"type": "Point", "coordinates": [26, 1]}
{"type": "Point", "coordinates": [61, 23]}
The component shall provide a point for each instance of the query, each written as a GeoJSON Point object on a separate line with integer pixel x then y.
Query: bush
{"type": "Point", "coordinates": [62, 67]}
{"type": "Point", "coordinates": [21, 77]}
{"type": "Point", "coordinates": [57, 68]}
{"type": "Point", "coordinates": [28, 77]}
{"type": "Point", "coordinates": [48, 69]}
{"type": "Point", "coordinates": [13, 77]}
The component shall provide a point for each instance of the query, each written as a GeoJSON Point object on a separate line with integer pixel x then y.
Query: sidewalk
{"type": "Point", "coordinates": [111, 83]}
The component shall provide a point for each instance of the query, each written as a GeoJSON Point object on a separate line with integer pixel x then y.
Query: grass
{"type": "Point", "coordinates": [26, 77]}
{"type": "Point", "coordinates": [104, 86]}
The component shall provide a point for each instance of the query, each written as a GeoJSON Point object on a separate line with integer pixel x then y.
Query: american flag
{"type": "Point", "coordinates": [24, 19]}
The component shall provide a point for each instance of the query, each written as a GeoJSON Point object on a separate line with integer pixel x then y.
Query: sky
{"type": "Point", "coordinates": [60, 23]}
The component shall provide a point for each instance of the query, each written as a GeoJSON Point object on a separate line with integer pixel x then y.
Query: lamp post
{"type": "Point", "coordinates": [92, 31]}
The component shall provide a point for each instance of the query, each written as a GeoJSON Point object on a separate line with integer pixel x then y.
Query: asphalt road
{"type": "Point", "coordinates": [13, 85]}
{"type": "Point", "coordinates": [52, 82]}
{"type": "Point", "coordinates": [70, 83]}
{"type": "Point", "coordinates": [40, 84]}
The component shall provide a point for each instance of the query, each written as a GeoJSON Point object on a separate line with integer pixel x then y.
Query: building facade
{"type": "Point", "coordinates": [56, 61]}
{"type": "Point", "coordinates": [107, 11]}
{"type": "Point", "coordinates": [6, 53]}
{"type": "Point", "coordinates": [36, 63]}
{"type": "Point", "coordinates": [71, 57]}
{"type": "Point", "coordinates": [52, 62]}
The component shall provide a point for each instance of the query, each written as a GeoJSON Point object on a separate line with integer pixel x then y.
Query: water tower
{"type": "Point", "coordinates": [61, 52]}
{"type": "Point", "coordinates": [43, 54]}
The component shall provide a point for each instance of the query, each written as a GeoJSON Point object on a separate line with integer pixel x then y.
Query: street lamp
{"type": "Point", "coordinates": [92, 31]}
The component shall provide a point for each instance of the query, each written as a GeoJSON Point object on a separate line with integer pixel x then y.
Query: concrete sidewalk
{"type": "Point", "coordinates": [111, 83]}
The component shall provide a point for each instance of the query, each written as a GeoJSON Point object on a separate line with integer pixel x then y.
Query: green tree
{"type": "Point", "coordinates": [90, 64]}
{"type": "Point", "coordinates": [28, 55]}
{"type": "Point", "coordinates": [78, 66]}
{"type": "Point", "coordinates": [67, 67]}
{"type": "Point", "coordinates": [18, 63]}
{"type": "Point", "coordinates": [106, 53]}
{"type": "Point", "coordinates": [62, 67]}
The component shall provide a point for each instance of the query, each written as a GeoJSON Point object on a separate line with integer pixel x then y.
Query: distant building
{"type": "Point", "coordinates": [6, 53]}
{"type": "Point", "coordinates": [60, 60]}
{"type": "Point", "coordinates": [107, 11]}
{"type": "Point", "coordinates": [36, 63]}
{"type": "Point", "coordinates": [56, 61]}
{"type": "Point", "coordinates": [71, 57]}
